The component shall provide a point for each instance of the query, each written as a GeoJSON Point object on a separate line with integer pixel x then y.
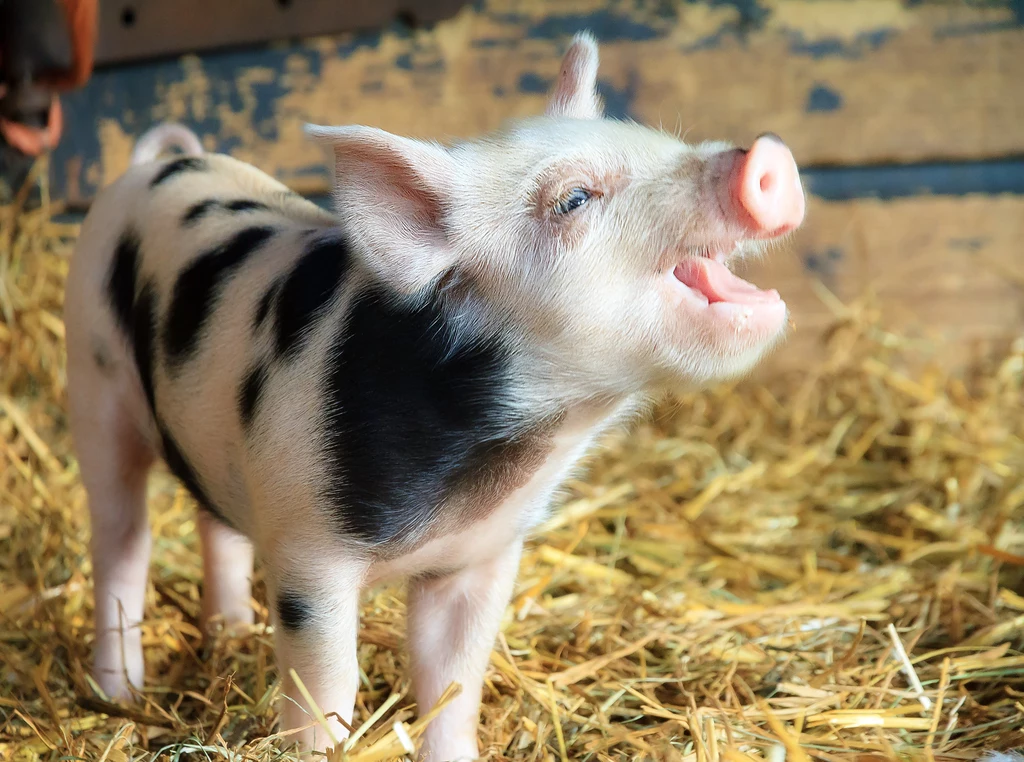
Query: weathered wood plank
{"type": "Point", "coordinates": [934, 178]}
{"type": "Point", "coordinates": [949, 270]}
{"type": "Point", "coordinates": [865, 81]}
{"type": "Point", "coordinates": [129, 31]}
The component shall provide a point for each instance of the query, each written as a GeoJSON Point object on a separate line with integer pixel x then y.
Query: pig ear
{"type": "Point", "coordinates": [392, 194]}
{"type": "Point", "coordinates": [575, 94]}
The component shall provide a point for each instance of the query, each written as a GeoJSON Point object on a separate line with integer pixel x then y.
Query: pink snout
{"type": "Point", "coordinates": [766, 185]}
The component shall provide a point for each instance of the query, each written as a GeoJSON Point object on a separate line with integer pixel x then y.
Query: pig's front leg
{"type": "Point", "coordinates": [453, 622]}
{"type": "Point", "coordinates": [316, 622]}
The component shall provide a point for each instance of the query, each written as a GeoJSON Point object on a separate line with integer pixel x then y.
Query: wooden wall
{"type": "Point", "coordinates": [935, 88]}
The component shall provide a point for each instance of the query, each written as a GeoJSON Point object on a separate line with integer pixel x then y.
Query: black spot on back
{"type": "Point", "coordinates": [121, 282]}
{"type": "Point", "coordinates": [263, 308]}
{"type": "Point", "coordinates": [411, 417]}
{"type": "Point", "coordinates": [177, 167]}
{"type": "Point", "coordinates": [307, 289]}
{"type": "Point", "coordinates": [199, 285]}
{"type": "Point", "coordinates": [198, 210]}
{"type": "Point", "coordinates": [244, 205]}
{"type": "Point", "coordinates": [137, 318]}
{"type": "Point", "coordinates": [249, 393]}
{"type": "Point", "coordinates": [136, 314]}
{"type": "Point", "coordinates": [143, 333]}
{"type": "Point", "coordinates": [293, 611]}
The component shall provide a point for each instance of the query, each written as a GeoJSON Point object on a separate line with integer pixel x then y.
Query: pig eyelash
{"type": "Point", "coordinates": [572, 200]}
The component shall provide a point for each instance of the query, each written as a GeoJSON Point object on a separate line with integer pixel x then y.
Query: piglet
{"type": "Point", "coordinates": [397, 388]}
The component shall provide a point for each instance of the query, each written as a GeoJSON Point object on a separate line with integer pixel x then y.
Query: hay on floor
{"type": "Point", "coordinates": [829, 567]}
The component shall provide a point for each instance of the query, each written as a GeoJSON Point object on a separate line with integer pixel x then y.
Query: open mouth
{"type": "Point", "coordinates": [710, 280]}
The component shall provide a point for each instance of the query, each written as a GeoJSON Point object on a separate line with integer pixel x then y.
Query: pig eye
{"type": "Point", "coordinates": [574, 199]}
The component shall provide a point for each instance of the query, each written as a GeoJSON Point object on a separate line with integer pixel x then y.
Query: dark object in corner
{"type": "Point", "coordinates": [46, 47]}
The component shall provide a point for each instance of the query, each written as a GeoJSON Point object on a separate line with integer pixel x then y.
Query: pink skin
{"type": "Point", "coordinates": [768, 200]}
{"type": "Point", "coordinates": [766, 185]}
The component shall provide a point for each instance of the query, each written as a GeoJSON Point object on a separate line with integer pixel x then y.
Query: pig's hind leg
{"type": "Point", "coordinates": [227, 573]}
{"type": "Point", "coordinates": [453, 622]}
{"type": "Point", "coordinates": [114, 460]}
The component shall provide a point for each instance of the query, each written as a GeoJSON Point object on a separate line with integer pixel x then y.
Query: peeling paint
{"type": "Point", "coordinates": [534, 83]}
{"type": "Point", "coordinates": [824, 263]}
{"type": "Point", "coordinates": [115, 151]}
{"type": "Point", "coordinates": [981, 27]}
{"type": "Point", "coordinates": [835, 46]}
{"type": "Point", "coordinates": [823, 99]}
{"type": "Point", "coordinates": [605, 25]}
{"type": "Point", "coordinates": [618, 101]}
{"type": "Point", "coordinates": [837, 19]}
{"type": "Point", "coordinates": [706, 27]}
{"type": "Point", "coordinates": [491, 42]}
{"type": "Point", "coordinates": [715, 68]}
{"type": "Point", "coordinates": [752, 14]}
{"type": "Point", "coordinates": [822, 28]}
{"type": "Point", "coordinates": [187, 98]}
{"type": "Point", "coordinates": [970, 245]}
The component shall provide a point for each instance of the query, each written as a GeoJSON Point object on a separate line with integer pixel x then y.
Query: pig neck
{"type": "Point", "coordinates": [543, 388]}
{"type": "Point", "coordinates": [428, 403]}
{"type": "Point", "coordinates": [548, 399]}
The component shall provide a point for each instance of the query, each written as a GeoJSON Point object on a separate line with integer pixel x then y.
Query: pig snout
{"type": "Point", "coordinates": [765, 188]}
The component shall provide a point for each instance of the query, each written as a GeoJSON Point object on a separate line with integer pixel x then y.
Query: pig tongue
{"type": "Point", "coordinates": [714, 280]}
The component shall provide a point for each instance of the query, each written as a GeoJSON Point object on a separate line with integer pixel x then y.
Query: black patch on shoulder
{"type": "Point", "coordinates": [177, 167]}
{"type": "Point", "coordinates": [143, 335]}
{"type": "Point", "coordinates": [263, 308]}
{"type": "Point", "coordinates": [293, 611]}
{"type": "Point", "coordinates": [410, 416]}
{"type": "Point", "coordinates": [250, 391]}
{"type": "Point", "coordinates": [245, 205]}
{"type": "Point", "coordinates": [199, 210]}
{"type": "Point", "coordinates": [306, 290]}
{"type": "Point", "coordinates": [199, 285]}
{"type": "Point", "coordinates": [121, 281]}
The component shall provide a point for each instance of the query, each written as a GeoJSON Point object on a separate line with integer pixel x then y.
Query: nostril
{"type": "Point", "coordinates": [766, 188]}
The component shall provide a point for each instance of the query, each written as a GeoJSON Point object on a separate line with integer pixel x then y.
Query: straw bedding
{"type": "Point", "coordinates": [830, 566]}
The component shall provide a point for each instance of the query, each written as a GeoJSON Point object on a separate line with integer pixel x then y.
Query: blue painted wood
{"type": "Point", "coordinates": [939, 179]}
{"type": "Point", "coordinates": [135, 97]}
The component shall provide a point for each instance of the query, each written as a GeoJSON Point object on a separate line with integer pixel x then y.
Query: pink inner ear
{"type": "Point", "coordinates": [394, 181]}
{"type": "Point", "coordinates": [575, 93]}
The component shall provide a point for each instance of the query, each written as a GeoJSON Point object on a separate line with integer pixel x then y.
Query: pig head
{"type": "Point", "coordinates": [397, 389]}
